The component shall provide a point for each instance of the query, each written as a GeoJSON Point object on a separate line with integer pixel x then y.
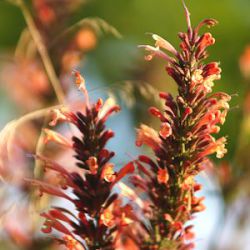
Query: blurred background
{"type": "Point", "coordinates": [100, 39]}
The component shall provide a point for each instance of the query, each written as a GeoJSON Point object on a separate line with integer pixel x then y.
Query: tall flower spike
{"type": "Point", "coordinates": [93, 224]}
{"type": "Point", "coordinates": [184, 140]}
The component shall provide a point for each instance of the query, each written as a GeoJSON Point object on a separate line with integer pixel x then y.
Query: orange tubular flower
{"type": "Point", "coordinates": [162, 176]}
{"type": "Point", "coordinates": [51, 135]}
{"type": "Point", "coordinates": [184, 140]}
{"type": "Point", "coordinates": [108, 173]}
{"type": "Point", "coordinates": [148, 136]}
{"type": "Point", "coordinates": [92, 163]}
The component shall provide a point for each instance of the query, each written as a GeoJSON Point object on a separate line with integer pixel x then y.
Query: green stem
{"type": "Point", "coordinates": [42, 51]}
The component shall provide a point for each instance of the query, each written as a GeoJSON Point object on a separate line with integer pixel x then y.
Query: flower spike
{"type": "Point", "coordinates": [96, 221]}
{"type": "Point", "coordinates": [184, 140]}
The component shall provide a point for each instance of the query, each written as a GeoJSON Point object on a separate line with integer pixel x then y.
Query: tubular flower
{"type": "Point", "coordinates": [93, 224]}
{"type": "Point", "coordinates": [184, 140]}
{"type": "Point", "coordinates": [162, 176]}
{"type": "Point", "coordinates": [148, 136]}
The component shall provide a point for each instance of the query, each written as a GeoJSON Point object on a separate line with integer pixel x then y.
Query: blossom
{"type": "Point", "coordinates": [51, 135]}
{"type": "Point", "coordinates": [148, 136]}
{"type": "Point", "coordinates": [90, 191]}
{"type": "Point", "coordinates": [62, 114]}
{"type": "Point", "coordinates": [184, 140]}
{"type": "Point", "coordinates": [162, 176]}
{"type": "Point", "coordinates": [107, 218]}
{"type": "Point", "coordinates": [165, 130]}
{"type": "Point", "coordinates": [92, 164]}
{"type": "Point", "coordinates": [108, 173]}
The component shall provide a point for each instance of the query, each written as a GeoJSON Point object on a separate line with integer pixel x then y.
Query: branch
{"type": "Point", "coordinates": [42, 50]}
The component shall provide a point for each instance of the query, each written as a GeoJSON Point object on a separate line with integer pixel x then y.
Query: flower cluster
{"type": "Point", "coordinates": [184, 140]}
{"type": "Point", "coordinates": [101, 217]}
{"type": "Point", "coordinates": [100, 213]}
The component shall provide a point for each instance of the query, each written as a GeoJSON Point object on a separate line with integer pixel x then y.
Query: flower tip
{"type": "Point", "coordinates": [187, 13]}
{"type": "Point", "coordinates": [162, 176]}
{"type": "Point", "coordinates": [46, 229]}
{"type": "Point", "coordinates": [50, 135]}
{"type": "Point", "coordinates": [149, 33]}
{"type": "Point", "coordinates": [166, 130]}
{"type": "Point", "coordinates": [155, 37]}
{"type": "Point", "coordinates": [79, 80]}
{"type": "Point", "coordinates": [211, 22]}
{"type": "Point", "coordinates": [117, 108]}
{"type": "Point", "coordinates": [100, 101]}
{"type": "Point", "coordinates": [99, 104]}
{"type": "Point", "coordinates": [92, 164]}
{"type": "Point", "coordinates": [141, 46]}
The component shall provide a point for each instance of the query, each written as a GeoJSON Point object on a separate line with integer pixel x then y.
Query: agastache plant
{"type": "Point", "coordinates": [185, 138]}
{"type": "Point", "coordinates": [98, 213]}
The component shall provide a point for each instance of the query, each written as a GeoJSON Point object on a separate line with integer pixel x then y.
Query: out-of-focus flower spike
{"type": "Point", "coordinates": [51, 135]}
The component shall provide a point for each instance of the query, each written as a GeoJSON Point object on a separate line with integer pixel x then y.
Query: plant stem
{"type": "Point", "coordinates": [42, 51]}
{"type": "Point", "coordinates": [49, 68]}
